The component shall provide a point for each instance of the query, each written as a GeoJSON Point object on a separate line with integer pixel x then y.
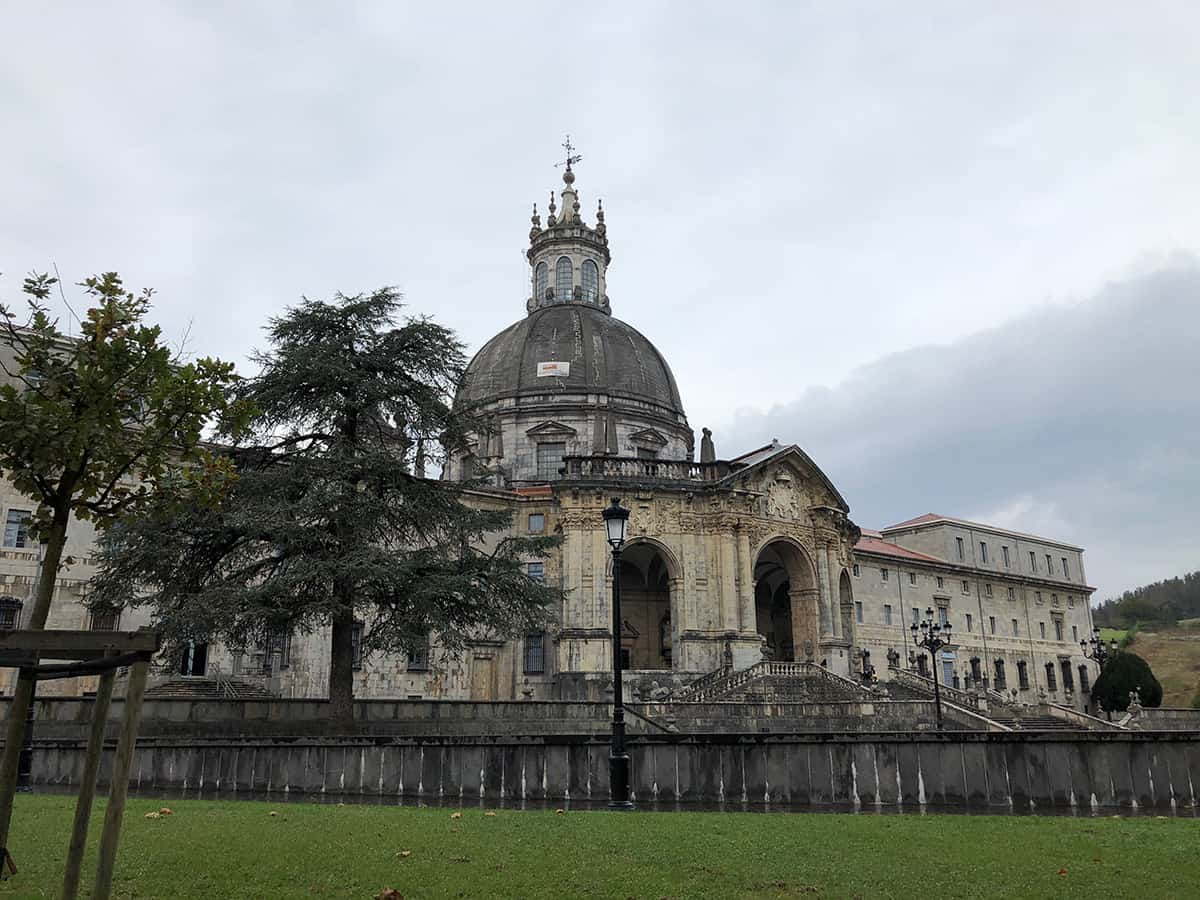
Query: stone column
{"type": "Point", "coordinates": [805, 607]}
{"type": "Point", "coordinates": [745, 570]}
{"type": "Point", "coordinates": [828, 600]}
{"type": "Point", "coordinates": [833, 574]}
{"type": "Point", "coordinates": [728, 583]}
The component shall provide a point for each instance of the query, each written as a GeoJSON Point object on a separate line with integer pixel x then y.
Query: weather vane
{"type": "Point", "coordinates": [572, 157]}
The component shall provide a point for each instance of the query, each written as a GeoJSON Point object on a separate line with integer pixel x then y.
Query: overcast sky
{"type": "Point", "coordinates": [946, 247]}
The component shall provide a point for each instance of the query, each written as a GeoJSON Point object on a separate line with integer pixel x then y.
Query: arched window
{"type": "Point", "coordinates": [541, 281]}
{"type": "Point", "coordinates": [562, 280]}
{"type": "Point", "coordinates": [590, 276]}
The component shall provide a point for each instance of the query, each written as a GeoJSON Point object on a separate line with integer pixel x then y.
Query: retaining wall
{"type": "Point", "coordinates": [68, 717]}
{"type": "Point", "coordinates": [1158, 771]}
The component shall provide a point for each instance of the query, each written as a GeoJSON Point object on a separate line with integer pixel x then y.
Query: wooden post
{"type": "Point", "coordinates": [14, 737]}
{"type": "Point", "coordinates": [119, 788]}
{"type": "Point", "coordinates": [87, 785]}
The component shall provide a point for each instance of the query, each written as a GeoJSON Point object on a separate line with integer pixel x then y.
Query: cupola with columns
{"type": "Point", "coordinates": [568, 258]}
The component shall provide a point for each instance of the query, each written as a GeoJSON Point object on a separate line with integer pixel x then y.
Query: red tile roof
{"type": "Point", "coordinates": [919, 520]}
{"type": "Point", "coordinates": [886, 548]}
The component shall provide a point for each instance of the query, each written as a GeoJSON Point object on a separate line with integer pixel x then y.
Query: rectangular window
{"type": "Point", "coordinates": [987, 589]}
{"type": "Point", "coordinates": [959, 544]}
{"type": "Point", "coordinates": [1058, 629]}
{"type": "Point", "coordinates": [418, 659]}
{"type": "Point", "coordinates": [16, 528]}
{"type": "Point", "coordinates": [912, 577]}
{"type": "Point", "coordinates": [276, 643]}
{"type": "Point", "coordinates": [1016, 628]}
{"type": "Point", "coordinates": [537, 523]}
{"type": "Point", "coordinates": [105, 619]}
{"type": "Point", "coordinates": [943, 615]}
{"type": "Point", "coordinates": [535, 653]}
{"type": "Point", "coordinates": [1007, 561]}
{"type": "Point", "coordinates": [966, 587]}
{"type": "Point", "coordinates": [537, 572]}
{"type": "Point", "coordinates": [983, 552]}
{"type": "Point", "coordinates": [1074, 634]}
{"type": "Point", "coordinates": [970, 624]}
{"type": "Point", "coordinates": [883, 573]}
{"type": "Point", "coordinates": [356, 654]}
{"type": "Point", "coordinates": [1037, 597]}
{"type": "Point", "coordinates": [940, 582]}
{"type": "Point", "coordinates": [1049, 564]}
{"type": "Point", "coordinates": [887, 614]}
{"type": "Point", "coordinates": [1067, 675]}
{"type": "Point", "coordinates": [10, 614]}
{"type": "Point", "coordinates": [646, 453]}
{"type": "Point", "coordinates": [992, 624]}
{"type": "Point", "coordinates": [1032, 562]}
{"type": "Point", "coordinates": [916, 613]}
{"type": "Point", "coordinates": [858, 611]}
{"type": "Point", "coordinates": [856, 572]}
{"type": "Point", "coordinates": [1012, 595]}
{"type": "Point", "coordinates": [550, 459]}
{"type": "Point", "coordinates": [1054, 599]}
{"type": "Point", "coordinates": [1066, 569]}
{"type": "Point", "coordinates": [1051, 681]}
{"type": "Point", "coordinates": [1042, 629]}
{"type": "Point", "coordinates": [1022, 674]}
{"type": "Point", "coordinates": [1084, 683]}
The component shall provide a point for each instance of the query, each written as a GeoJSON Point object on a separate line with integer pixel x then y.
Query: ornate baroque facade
{"type": "Point", "coordinates": [728, 561]}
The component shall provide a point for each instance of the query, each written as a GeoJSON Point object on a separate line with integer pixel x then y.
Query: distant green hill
{"type": "Point", "coordinates": [1163, 603]}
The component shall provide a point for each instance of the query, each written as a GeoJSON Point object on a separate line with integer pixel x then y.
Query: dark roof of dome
{"type": "Point", "coordinates": [606, 356]}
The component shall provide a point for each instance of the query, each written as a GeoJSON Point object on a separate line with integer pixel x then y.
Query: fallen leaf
{"type": "Point", "coordinates": [389, 894]}
{"type": "Point", "coordinates": [489, 815]}
{"type": "Point", "coordinates": [405, 853]}
{"type": "Point", "coordinates": [153, 815]}
{"type": "Point", "coordinates": [272, 813]}
{"type": "Point", "coordinates": [560, 812]}
{"type": "Point", "coordinates": [1062, 871]}
{"type": "Point", "coordinates": [456, 815]}
{"type": "Point", "coordinates": [167, 811]}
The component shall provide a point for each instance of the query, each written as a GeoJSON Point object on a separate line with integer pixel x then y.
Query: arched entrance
{"type": "Point", "coordinates": [785, 602]}
{"type": "Point", "coordinates": [646, 633]}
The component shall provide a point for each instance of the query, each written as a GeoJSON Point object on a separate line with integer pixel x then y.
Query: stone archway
{"type": "Point", "coordinates": [648, 580]}
{"type": "Point", "coordinates": [786, 602]}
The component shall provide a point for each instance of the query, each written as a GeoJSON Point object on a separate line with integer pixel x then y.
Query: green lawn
{"type": "Point", "coordinates": [234, 849]}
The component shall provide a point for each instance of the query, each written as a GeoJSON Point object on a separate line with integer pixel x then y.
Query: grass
{"type": "Point", "coordinates": [236, 849]}
{"type": "Point", "coordinates": [1113, 634]}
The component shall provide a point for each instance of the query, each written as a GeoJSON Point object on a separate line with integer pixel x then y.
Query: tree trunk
{"type": "Point", "coordinates": [56, 539]}
{"type": "Point", "coordinates": [341, 670]}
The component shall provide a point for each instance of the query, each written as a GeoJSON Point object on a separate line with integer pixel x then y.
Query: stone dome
{"type": "Point", "coordinates": [605, 356]}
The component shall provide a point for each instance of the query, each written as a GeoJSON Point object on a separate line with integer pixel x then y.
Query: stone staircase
{"type": "Point", "coordinates": [773, 682]}
{"type": "Point", "coordinates": [1035, 722]}
{"type": "Point", "coordinates": [207, 689]}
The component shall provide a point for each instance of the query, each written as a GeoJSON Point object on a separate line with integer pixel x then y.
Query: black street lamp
{"type": "Point", "coordinates": [1098, 652]}
{"type": "Point", "coordinates": [932, 636]}
{"type": "Point", "coordinates": [616, 521]}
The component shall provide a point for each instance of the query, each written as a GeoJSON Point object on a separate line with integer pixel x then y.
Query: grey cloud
{"type": "Point", "coordinates": [1081, 421]}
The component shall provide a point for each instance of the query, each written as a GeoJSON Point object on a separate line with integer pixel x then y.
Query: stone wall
{"type": "Point", "coordinates": [986, 771]}
{"type": "Point", "coordinates": [68, 718]}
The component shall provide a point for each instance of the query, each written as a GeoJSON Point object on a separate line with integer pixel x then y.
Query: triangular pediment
{"type": "Point", "coordinates": [790, 463]}
{"type": "Point", "coordinates": [649, 437]}
{"type": "Point", "coordinates": [550, 429]}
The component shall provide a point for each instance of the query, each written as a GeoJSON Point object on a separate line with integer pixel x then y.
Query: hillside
{"type": "Point", "coordinates": [1164, 602]}
{"type": "Point", "coordinates": [1173, 653]}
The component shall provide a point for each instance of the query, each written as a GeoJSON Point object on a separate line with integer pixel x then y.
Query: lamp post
{"type": "Point", "coordinates": [932, 636]}
{"type": "Point", "coordinates": [616, 521]}
{"type": "Point", "coordinates": [1099, 653]}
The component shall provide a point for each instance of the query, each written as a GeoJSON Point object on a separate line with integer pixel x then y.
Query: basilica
{"type": "Point", "coordinates": [731, 560]}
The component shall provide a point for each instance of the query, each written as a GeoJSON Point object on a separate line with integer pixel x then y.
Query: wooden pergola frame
{"type": "Point", "coordinates": [90, 653]}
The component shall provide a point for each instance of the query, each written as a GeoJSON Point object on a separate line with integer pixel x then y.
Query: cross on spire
{"type": "Point", "coordinates": [572, 157]}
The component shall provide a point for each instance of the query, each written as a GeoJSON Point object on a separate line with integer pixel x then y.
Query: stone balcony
{"type": "Point", "coordinates": [639, 470]}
